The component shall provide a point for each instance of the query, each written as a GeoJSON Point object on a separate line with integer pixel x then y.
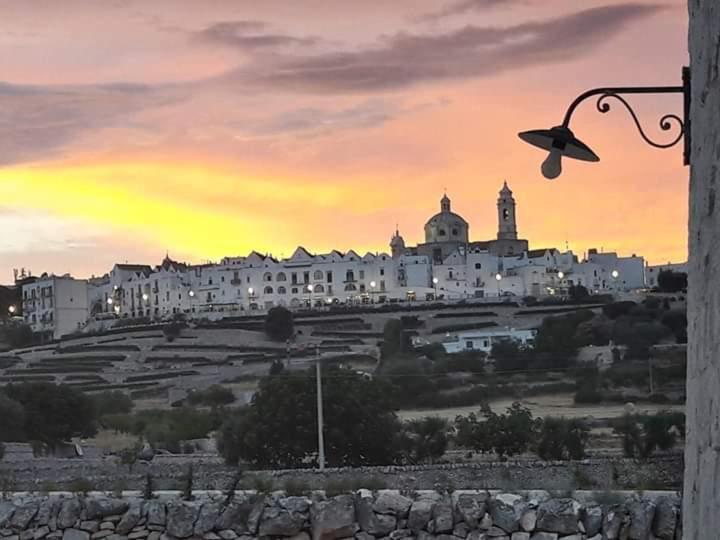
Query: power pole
{"type": "Point", "coordinates": [321, 439]}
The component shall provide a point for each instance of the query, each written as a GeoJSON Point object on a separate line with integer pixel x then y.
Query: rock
{"type": "Point", "coordinates": [544, 536]}
{"type": "Point", "coordinates": [391, 502]}
{"type": "Point", "coordinates": [301, 536]}
{"type": "Point", "coordinates": [477, 535]}
{"type": "Point", "coordinates": [90, 526]}
{"type": "Point", "coordinates": [277, 521]}
{"type": "Point", "coordinates": [256, 512]}
{"type": "Point", "coordinates": [298, 505]}
{"type": "Point", "coordinates": [101, 534]}
{"type": "Point", "coordinates": [362, 535]}
{"type": "Point", "coordinates": [75, 534]}
{"type": "Point", "coordinates": [520, 536]}
{"type": "Point", "coordinates": [101, 507]}
{"type": "Point", "coordinates": [424, 535]}
{"type": "Point", "coordinates": [48, 509]}
{"type": "Point", "coordinates": [472, 508]}
{"type": "Point", "coordinates": [114, 518]}
{"type": "Point", "coordinates": [613, 521]}
{"type": "Point", "coordinates": [442, 517]}
{"type": "Point", "coordinates": [69, 514]}
{"type": "Point", "coordinates": [641, 519]}
{"type": "Point", "coordinates": [117, 537]}
{"type": "Point", "coordinates": [375, 524]}
{"type": "Point", "coordinates": [592, 520]}
{"type": "Point", "coordinates": [210, 536]}
{"type": "Point", "coordinates": [208, 516]}
{"type": "Point", "coordinates": [232, 517]}
{"type": "Point", "coordinates": [155, 512]}
{"type": "Point", "coordinates": [154, 535]}
{"type": "Point", "coordinates": [130, 519]}
{"type": "Point", "coordinates": [23, 515]}
{"type": "Point", "coordinates": [596, 537]}
{"type": "Point", "coordinates": [5, 532]}
{"type": "Point", "coordinates": [576, 536]}
{"type": "Point", "coordinates": [400, 533]}
{"type": "Point", "coordinates": [107, 526]}
{"type": "Point", "coordinates": [12, 537]}
{"type": "Point", "coordinates": [54, 534]}
{"type": "Point", "coordinates": [485, 522]}
{"type": "Point", "coordinates": [528, 520]}
{"type": "Point", "coordinates": [137, 535]}
{"type": "Point", "coordinates": [505, 510]}
{"type": "Point", "coordinates": [666, 518]}
{"type": "Point", "coordinates": [461, 530]}
{"type": "Point", "coordinates": [27, 535]}
{"type": "Point", "coordinates": [496, 532]}
{"type": "Point", "coordinates": [227, 534]}
{"type": "Point", "coordinates": [333, 518]}
{"type": "Point", "coordinates": [420, 514]}
{"type": "Point", "coordinates": [41, 532]}
{"type": "Point", "coordinates": [181, 517]}
{"type": "Point", "coordinates": [559, 515]}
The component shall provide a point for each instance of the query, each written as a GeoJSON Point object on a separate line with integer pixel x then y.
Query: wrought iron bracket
{"type": "Point", "coordinates": [666, 122]}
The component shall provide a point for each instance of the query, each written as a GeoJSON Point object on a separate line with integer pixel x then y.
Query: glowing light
{"type": "Point", "coordinates": [110, 301]}
{"type": "Point", "coordinates": [145, 297]}
{"type": "Point", "coordinates": [372, 284]}
{"type": "Point", "coordinates": [561, 274]}
{"type": "Point", "coordinates": [435, 280]}
{"type": "Point", "coordinates": [191, 293]}
{"type": "Point", "coordinates": [12, 310]}
{"type": "Point", "coordinates": [251, 291]}
{"type": "Point", "coordinates": [498, 276]}
{"type": "Point", "coordinates": [615, 274]}
{"type": "Point", "coordinates": [310, 288]}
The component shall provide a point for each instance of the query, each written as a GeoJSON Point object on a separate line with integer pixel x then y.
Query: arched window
{"type": "Point", "coordinates": [281, 277]}
{"type": "Point", "coordinates": [268, 290]}
{"type": "Point", "coordinates": [350, 287]}
{"type": "Point", "coordinates": [318, 288]}
{"type": "Point", "coordinates": [295, 302]}
{"type": "Point", "coordinates": [267, 276]}
{"type": "Point", "coordinates": [441, 232]}
{"type": "Point", "coordinates": [281, 290]}
{"type": "Point", "coordinates": [318, 274]}
{"type": "Point", "coordinates": [349, 276]}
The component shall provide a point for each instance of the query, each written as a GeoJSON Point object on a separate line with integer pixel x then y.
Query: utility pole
{"type": "Point", "coordinates": [650, 366]}
{"type": "Point", "coordinates": [321, 439]}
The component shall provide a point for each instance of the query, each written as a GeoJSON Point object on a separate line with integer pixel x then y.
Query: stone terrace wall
{"type": "Point", "coordinates": [362, 515]}
{"type": "Point", "coordinates": [664, 472]}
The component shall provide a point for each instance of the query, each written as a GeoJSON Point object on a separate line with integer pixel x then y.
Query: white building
{"type": "Point", "coordinates": [55, 305]}
{"type": "Point", "coordinates": [652, 272]}
{"type": "Point", "coordinates": [483, 340]}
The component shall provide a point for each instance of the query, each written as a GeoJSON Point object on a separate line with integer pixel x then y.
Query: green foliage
{"type": "Point", "coordinates": [295, 487]}
{"type": "Point", "coordinates": [556, 335]}
{"type": "Point", "coordinates": [148, 488]}
{"type": "Point", "coordinates": [617, 309]}
{"type": "Point", "coordinates": [597, 332]}
{"type": "Point", "coordinates": [276, 368]}
{"type": "Point", "coordinates": [54, 413]}
{"type": "Point", "coordinates": [510, 356]}
{"type": "Point", "coordinates": [215, 396]}
{"type": "Point", "coordinates": [671, 282]}
{"type": "Point", "coordinates": [465, 361]}
{"type": "Point", "coordinates": [81, 486]}
{"type": "Point", "coordinates": [504, 434]}
{"type": "Point", "coordinates": [643, 435]}
{"type": "Point", "coordinates": [434, 351]}
{"type": "Point", "coordinates": [637, 336]}
{"type": "Point", "coordinates": [588, 386]}
{"type": "Point", "coordinates": [395, 340]}
{"type": "Point", "coordinates": [578, 293]}
{"type": "Point", "coordinates": [562, 439]}
{"type": "Point", "coordinates": [676, 321]}
{"type": "Point", "coordinates": [425, 440]}
{"type": "Point", "coordinates": [172, 330]}
{"type": "Point", "coordinates": [628, 429]}
{"type": "Point", "coordinates": [2, 451]}
{"type": "Point", "coordinates": [19, 335]}
{"type": "Point", "coordinates": [112, 402]}
{"type": "Point", "coordinates": [279, 428]}
{"type": "Point", "coordinates": [279, 325]}
{"type": "Point", "coordinates": [12, 426]}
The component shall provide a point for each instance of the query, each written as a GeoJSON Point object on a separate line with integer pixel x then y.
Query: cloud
{"type": "Point", "coordinates": [405, 59]}
{"type": "Point", "coordinates": [248, 35]}
{"type": "Point", "coordinates": [465, 6]}
{"type": "Point", "coordinates": [37, 121]}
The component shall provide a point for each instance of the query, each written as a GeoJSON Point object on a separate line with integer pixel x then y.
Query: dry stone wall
{"type": "Point", "coordinates": [361, 515]}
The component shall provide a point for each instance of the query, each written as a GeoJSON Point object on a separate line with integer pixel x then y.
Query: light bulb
{"type": "Point", "coordinates": [551, 167]}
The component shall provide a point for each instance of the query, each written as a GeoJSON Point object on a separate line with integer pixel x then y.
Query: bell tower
{"type": "Point", "coordinates": [507, 224]}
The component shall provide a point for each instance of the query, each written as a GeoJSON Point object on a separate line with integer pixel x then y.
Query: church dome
{"type": "Point", "coordinates": [446, 226]}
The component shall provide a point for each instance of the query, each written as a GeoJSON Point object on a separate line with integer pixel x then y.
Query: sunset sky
{"type": "Point", "coordinates": [206, 128]}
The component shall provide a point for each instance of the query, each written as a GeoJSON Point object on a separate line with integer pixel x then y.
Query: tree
{"type": "Point", "coordinates": [562, 439]}
{"type": "Point", "coordinates": [12, 426]}
{"type": "Point", "coordinates": [629, 430]}
{"type": "Point", "coordinates": [54, 413]}
{"type": "Point", "coordinates": [505, 434]}
{"type": "Point", "coordinates": [614, 310]}
{"type": "Point", "coordinates": [395, 340]}
{"type": "Point", "coordinates": [509, 356]}
{"type": "Point", "coordinates": [676, 321]}
{"type": "Point", "coordinates": [578, 293]}
{"type": "Point", "coordinates": [672, 282]}
{"type": "Point", "coordinates": [642, 435]}
{"type": "Point", "coordinates": [279, 325]}
{"type": "Point", "coordinates": [19, 335]}
{"type": "Point", "coordinates": [556, 335]}
{"type": "Point", "coordinates": [279, 428]}
{"type": "Point", "coordinates": [214, 397]}
{"type": "Point", "coordinates": [425, 439]}
{"type": "Point", "coordinates": [112, 402]}
{"type": "Point", "coordinates": [172, 330]}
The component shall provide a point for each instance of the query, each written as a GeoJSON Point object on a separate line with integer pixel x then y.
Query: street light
{"type": "Point", "coordinates": [145, 297]}
{"type": "Point", "coordinates": [310, 291]}
{"type": "Point", "coordinates": [251, 291]}
{"type": "Point", "coordinates": [561, 141]}
{"type": "Point", "coordinates": [12, 310]}
{"type": "Point", "coordinates": [435, 284]}
{"type": "Point", "coordinates": [372, 292]}
{"type": "Point", "coordinates": [498, 277]}
{"type": "Point", "coordinates": [561, 274]}
{"type": "Point", "coordinates": [110, 301]}
{"type": "Point", "coordinates": [615, 274]}
{"type": "Point", "coordinates": [191, 293]}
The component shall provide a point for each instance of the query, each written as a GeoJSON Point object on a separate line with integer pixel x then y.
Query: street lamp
{"type": "Point", "coordinates": [12, 310]}
{"type": "Point", "coordinates": [498, 278]}
{"type": "Point", "coordinates": [110, 301]}
{"type": "Point", "coordinates": [145, 297]}
{"type": "Point", "coordinates": [615, 274]}
{"type": "Point", "coordinates": [372, 292]}
{"type": "Point", "coordinates": [191, 293]}
{"type": "Point", "coordinates": [310, 291]}
{"type": "Point", "coordinates": [561, 274]}
{"type": "Point", "coordinates": [560, 141]}
{"type": "Point", "coordinates": [250, 291]}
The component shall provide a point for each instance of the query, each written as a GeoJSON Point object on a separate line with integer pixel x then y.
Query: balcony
{"type": "Point", "coordinates": [237, 281]}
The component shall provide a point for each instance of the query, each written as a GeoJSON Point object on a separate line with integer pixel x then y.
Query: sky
{"type": "Point", "coordinates": [134, 128]}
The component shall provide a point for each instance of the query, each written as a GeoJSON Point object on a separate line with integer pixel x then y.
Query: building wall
{"type": "Point", "coordinates": [702, 446]}
{"type": "Point", "coordinates": [652, 272]}
{"type": "Point", "coordinates": [55, 305]}
{"type": "Point", "coordinates": [484, 341]}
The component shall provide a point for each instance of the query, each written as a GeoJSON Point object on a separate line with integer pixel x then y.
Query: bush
{"type": "Point", "coordinates": [510, 356]}
{"type": "Point", "coordinates": [113, 402]}
{"type": "Point", "coordinates": [504, 434]}
{"type": "Point", "coordinates": [172, 330]}
{"type": "Point", "coordinates": [425, 440]}
{"type": "Point", "coordinates": [671, 282]}
{"type": "Point", "coordinates": [215, 396]}
{"type": "Point", "coordinates": [279, 324]}
{"type": "Point", "coordinates": [13, 420]}
{"type": "Point", "coordinates": [562, 439]}
{"type": "Point", "coordinates": [643, 435]}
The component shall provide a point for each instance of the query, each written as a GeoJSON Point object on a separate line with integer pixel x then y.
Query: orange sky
{"type": "Point", "coordinates": [135, 127]}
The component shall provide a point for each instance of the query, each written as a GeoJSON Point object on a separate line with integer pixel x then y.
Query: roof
{"type": "Point", "coordinates": [537, 253]}
{"type": "Point", "coordinates": [134, 267]}
{"type": "Point", "coordinates": [445, 215]}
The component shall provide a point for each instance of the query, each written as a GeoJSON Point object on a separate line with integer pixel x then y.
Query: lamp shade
{"type": "Point", "coordinates": [559, 139]}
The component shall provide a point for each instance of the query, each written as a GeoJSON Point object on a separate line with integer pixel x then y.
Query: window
{"type": "Point", "coordinates": [318, 288]}
{"type": "Point", "coordinates": [282, 290]}
{"type": "Point", "coordinates": [318, 275]}
{"type": "Point", "coordinates": [382, 271]}
{"type": "Point", "coordinates": [294, 290]}
{"type": "Point", "coordinates": [454, 232]}
{"type": "Point", "coordinates": [329, 276]}
{"type": "Point", "coordinates": [382, 284]}
{"type": "Point", "coordinates": [222, 279]}
{"type": "Point", "coordinates": [478, 266]}
{"type": "Point", "coordinates": [268, 290]}
{"type": "Point", "coordinates": [437, 255]}
{"type": "Point", "coordinates": [209, 281]}
{"type": "Point", "coordinates": [306, 277]}
{"type": "Point", "coordinates": [468, 344]}
{"type": "Point", "coordinates": [281, 277]}
{"type": "Point", "coordinates": [441, 232]}
{"type": "Point", "coordinates": [350, 287]}
{"type": "Point", "coordinates": [486, 343]}
{"type": "Point", "coordinates": [267, 276]}
{"type": "Point", "coordinates": [349, 276]}
{"type": "Point", "coordinates": [506, 214]}
{"type": "Point", "coordinates": [293, 278]}
{"type": "Point", "coordinates": [362, 274]}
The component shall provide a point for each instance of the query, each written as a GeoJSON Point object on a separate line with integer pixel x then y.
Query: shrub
{"type": "Point", "coordinates": [294, 487]}
{"type": "Point", "coordinates": [215, 396]}
{"type": "Point", "coordinates": [505, 434]}
{"type": "Point", "coordinates": [425, 440]}
{"type": "Point", "coordinates": [562, 439]}
{"type": "Point", "coordinates": [113, 402]}
{"type": "Point", "coordinates": [279, 324]}
{"type": "Point", "coordinates": [617, 309]}
{"type": "Point", "coordinates": [670, 281]}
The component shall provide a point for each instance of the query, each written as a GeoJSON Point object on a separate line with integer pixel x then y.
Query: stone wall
{"type": "Point", "coordinates": [603, 473]}
{"type": "Point", "coordinates": [361, 515]}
